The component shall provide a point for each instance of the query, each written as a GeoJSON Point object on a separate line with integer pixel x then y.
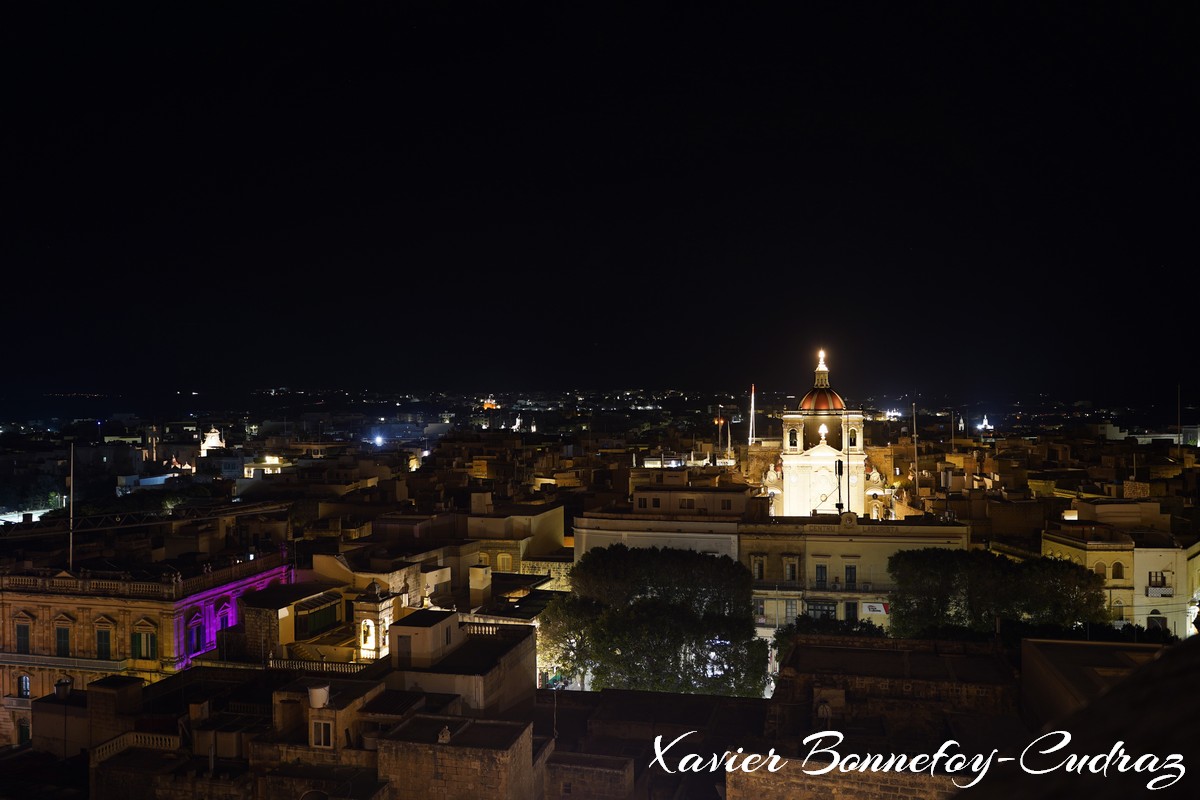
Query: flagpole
{"type": "Point", "coordinates": [71, 523]}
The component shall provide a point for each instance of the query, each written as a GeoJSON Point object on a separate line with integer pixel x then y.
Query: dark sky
{"type": "Point", "coordinates": [969, 198]}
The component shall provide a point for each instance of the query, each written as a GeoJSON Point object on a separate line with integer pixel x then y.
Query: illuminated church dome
{"type": "Point", "coordinates": [821, 397]}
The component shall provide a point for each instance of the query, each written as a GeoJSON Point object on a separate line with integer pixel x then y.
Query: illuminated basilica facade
{"type": "Point", "coordinates": [822, 455]}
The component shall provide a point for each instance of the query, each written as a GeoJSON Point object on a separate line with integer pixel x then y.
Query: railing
{"type": "Point", "coordinates": [341, 667]}
{"type": "Point", "coordinates": [122, 742]}
{"type": "Point", "coordinates": [166, 590]}
{"type": "Point", "coordinates": [64, 662]}
{"type": "Point", "coordinates": [1160, 591]}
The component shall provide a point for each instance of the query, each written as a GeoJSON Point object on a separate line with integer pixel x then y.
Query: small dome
{"type": "Point", "coordinates": [822, 399]}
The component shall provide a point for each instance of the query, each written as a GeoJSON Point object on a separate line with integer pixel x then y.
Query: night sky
{"type": "Point", "coordinates": [969, 198]}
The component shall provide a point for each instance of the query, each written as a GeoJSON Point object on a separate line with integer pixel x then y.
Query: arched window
{"type": "Point", "coordinates": [1118, 571]}
{"type": "Point", "coordinates": [854, 437]}
{"type": "Point", "coordinates": [792, 438]}
{"type": "Point", "coordinates": [368, 634]}
{"type": "Point", "coordinates": [485, 560]}
{"type": "Point", "coordinates": [1101, 570]}
{"type": "Point", "coordinates": [504, 562]}
{"type": "Point", "coordinates": [24, 687]}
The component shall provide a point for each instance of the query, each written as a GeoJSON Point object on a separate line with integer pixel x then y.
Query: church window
{"type": "Point", "coordinates": [792, 438]}
{"type": "Point", "coordinates": [1118, 571]}
{"type": "Point", "coordinates": [1101, 570]}
{"type": "Point", "coordinates": [854, 437]}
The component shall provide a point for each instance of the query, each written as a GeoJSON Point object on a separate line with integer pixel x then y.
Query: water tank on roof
{"type": "Point", "coordinates": [318, 696]}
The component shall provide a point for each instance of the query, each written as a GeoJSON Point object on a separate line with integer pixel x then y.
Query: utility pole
{"type": "Point", "coordinates": [916, 462]}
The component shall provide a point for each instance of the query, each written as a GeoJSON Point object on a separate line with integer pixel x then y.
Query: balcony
{"type": "Point", "coordinates": [1160, 591]}
{"type": "Point", "coordinates": [64, 662]}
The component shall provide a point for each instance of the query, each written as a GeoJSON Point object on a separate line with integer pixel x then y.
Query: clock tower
{"type": "Point", "coordinates": [823, 456]}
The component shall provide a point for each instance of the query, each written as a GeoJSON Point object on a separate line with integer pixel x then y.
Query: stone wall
{"type": "Point", "coordinates": [432, 771]}
{"type": "Point", "coordinates": [598, 777]}
{"type": "Point", "coordinates": [792, 781]}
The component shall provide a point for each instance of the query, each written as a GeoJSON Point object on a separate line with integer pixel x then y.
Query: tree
{"type": "Point", "coordinates": [968, 592]}
{"type": "Point", "coordinates": [658, 619]}
{"type": "Point", "coordinates": [1061, 592]}
{"type": "Point", "coordinates": [564, 646]}
{"type": "Point", "coordinates": [925, 589]}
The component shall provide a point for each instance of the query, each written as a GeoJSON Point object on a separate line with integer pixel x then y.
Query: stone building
{"type": "Point", "coordinates": [109, 618]}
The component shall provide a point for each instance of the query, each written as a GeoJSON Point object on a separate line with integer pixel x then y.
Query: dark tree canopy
{"type": "Point", "coordinates": [658, 619]}
{"type": "Point", "coordinates": [974, 590]}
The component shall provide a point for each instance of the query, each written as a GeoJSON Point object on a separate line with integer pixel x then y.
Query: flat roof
{"type": "Point", "coordinates": [464, 732]}
{"type": "Point", "coordinates": [899, 663]}
{"type": "Point", "coordinates": [284, 594]}
{"type": "Point", "coordinates": [424, 618]}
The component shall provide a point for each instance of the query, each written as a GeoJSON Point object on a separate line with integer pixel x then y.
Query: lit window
{"type": "Point", "coordinates": [322, 734]}
{"type": "Point", "coordinates": [24, 686]}
{"type": "Point", "coordinates": [144, 644]}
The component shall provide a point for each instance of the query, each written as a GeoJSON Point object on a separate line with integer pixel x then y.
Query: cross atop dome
{"type": "Point", "coordinates": [822, 371]}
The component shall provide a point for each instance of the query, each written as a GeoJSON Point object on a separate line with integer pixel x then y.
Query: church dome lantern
{"type": "Point", "coordinates": [821, 397]}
